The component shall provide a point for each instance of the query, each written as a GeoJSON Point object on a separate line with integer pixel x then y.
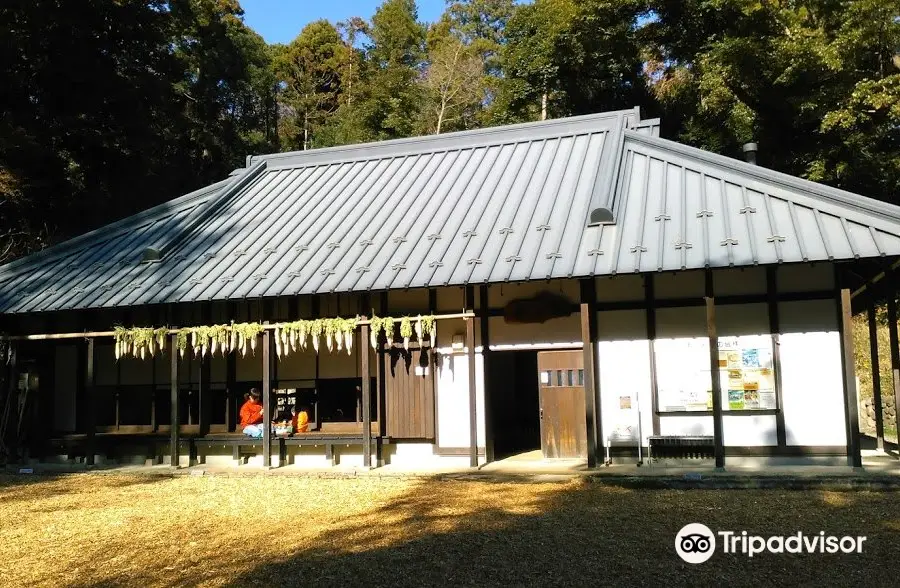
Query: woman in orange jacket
{"type": "Point", "coordinates": [252, 414]}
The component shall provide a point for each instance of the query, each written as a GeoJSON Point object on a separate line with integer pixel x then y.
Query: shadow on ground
{"type": "Point", "coordinates": [215, 531]}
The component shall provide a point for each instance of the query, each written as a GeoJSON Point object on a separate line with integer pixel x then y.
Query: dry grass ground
{"type": "Point", "coordinates": [113, 530]}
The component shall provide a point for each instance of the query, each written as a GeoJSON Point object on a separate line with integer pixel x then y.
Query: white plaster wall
{"type": "Point", "coordinates": [625, 371]}
{"type": "Point", "coordinates": [453, 399]}
{"type": "Point", "coordinates": [749, 431]}
{"type": "Point", "coordinates": [686, 425]}
{"type": "Point", "coordinates": [812, 387]}
{"type": "Point", "coordinates": [65, 386]}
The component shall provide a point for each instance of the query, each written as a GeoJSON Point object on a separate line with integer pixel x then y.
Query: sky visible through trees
{"type": "Point", "coordinates": [112, 106]}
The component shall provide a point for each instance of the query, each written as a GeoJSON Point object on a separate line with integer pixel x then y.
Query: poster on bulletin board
{"type": "Point", "coordinates": [747, 372]}
{"type": "Point", "coordinates": [682, 368]}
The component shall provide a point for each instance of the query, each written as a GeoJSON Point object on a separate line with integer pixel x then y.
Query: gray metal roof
{"type": "Point", "coordinates": [494, 205]}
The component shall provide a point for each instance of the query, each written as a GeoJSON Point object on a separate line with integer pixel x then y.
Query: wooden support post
{"type": "Point", "coordinates": [876, 375]}
{"type": "Point", "coordinates": [204, 402]}
{"type": "Point", "coordinates": [484, 323]}
{"type": "Point", "coordinates": [775, 332]}
{"type": "Point", "coordinates": [366, 395]}
{"type": "Point", "coordinates": [173, 387]}
{"type": "Point", "coordinates": [230, 376]}
{"type": "Point", "coordinates": [381, 358]}
{"type": "Point", "coordinates": [848, 365]}
{"type": "Point", "coordinates": [316, 311]}
{"type": "Point", "coordinates": [714, 372]}
{"type": "Point", "coordinates": [12, 401]}
{"type": "Point", "coordinates": [895, 352]}
{"type": "Point", "coordinates": [267, 400]}
{"type": "Point", "coordinates": [473, 398]}
{"type": "Point", "coordinates": [231, 395]}
{"type": "Point", "coordinates": [650, 301]}
{"type": "Point", "coordinates": [90, 401]}
{"type": "Point", "coordinates": [592, 412]}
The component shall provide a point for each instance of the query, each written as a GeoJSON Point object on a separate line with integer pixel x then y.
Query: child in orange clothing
{"type": "Point", "coordinates": [252, 414]}
{"type": "Point", "coordinates": [301, 421]}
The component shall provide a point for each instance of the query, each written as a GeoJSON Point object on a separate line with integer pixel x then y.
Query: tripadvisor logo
{"type": "Point", "coordinates": [695, 543]}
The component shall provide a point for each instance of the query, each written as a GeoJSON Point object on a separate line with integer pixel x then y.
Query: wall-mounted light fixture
{"type": "Point", "coordinates": [459, 342]}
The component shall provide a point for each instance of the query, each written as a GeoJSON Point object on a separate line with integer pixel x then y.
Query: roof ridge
{"type": "Point", "coordinates": [583, 124]}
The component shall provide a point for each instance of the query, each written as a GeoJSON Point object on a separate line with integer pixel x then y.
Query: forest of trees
{"type": "Point", "coordinates": [108, 107]}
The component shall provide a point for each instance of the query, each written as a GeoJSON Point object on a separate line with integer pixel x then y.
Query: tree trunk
{"type": "Point", "coordinates": [544, 106]}
{"type": "Point", "coordinates": [306, 126]}
{"type": "Point", "coordinates": [440, 121]}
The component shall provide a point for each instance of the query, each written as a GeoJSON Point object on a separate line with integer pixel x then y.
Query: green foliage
{"type": "Point", "coordinates": [813, 82]}
{"type": "Point", "coordinates": [564, 57]}
{"type": "Point", "coordinates": [312, 69]}
{"type": "Point", "coordinates": [109, 108]}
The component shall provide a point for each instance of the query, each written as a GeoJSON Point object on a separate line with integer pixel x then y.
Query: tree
{"type": "Point", "coordinates": [564, 57]}
{"type": "Point", "coordinates": [109, 108]}
{"type": "Point", "coordinates": [228, 82]}
{"type": "Point", "coordinates": [481, 24]}
{"type": "Point", "coordinates": [311, 70]}
{"type": "Point", "coordinates": [813, 82]}
{"type": "Point", "coordinates": [88, 115]}
{"type": "Point", "coordinates": [390, 102]}
{"type": "Point", "coordinates": [452, 81]}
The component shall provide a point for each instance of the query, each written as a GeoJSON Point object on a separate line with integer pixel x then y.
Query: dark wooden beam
{"type": "Point", "coordinates": [90, 400]}
{"type": "Point", "coordinates": [173, 387]}
{"type": "Point", "coordinates": [469, 303]}
{"type": "Point", "coordinates": [876, 375]}
{"type": "Point", "coordinates": [484, 323]}
{"type": "Point", "coordinates": [848, 365]}
{"type": "Point", "coordinates": [231, 378]}
{"type": "Point", "coordinates": [713, 337]}
{"type": "Point", "coordinates": [592, 412]}
{"type": "Point", "coordinates": [381, 358]}
{"type": "Point", "coordinates": [366, 395]}
{"type": "Point", "coordinates": [775, 331]}
{"type": "Point", "coordinates": [267, 399]}
{"type": "Point", "coordinates": [650, 301]}
{"type": "Point", "coordinates": [204, 402]}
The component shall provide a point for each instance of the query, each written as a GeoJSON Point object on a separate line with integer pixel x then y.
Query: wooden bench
{"type": "Point", "coordinates": [152, 445]}
{"type": "Point", "coordinates": [680, 446]}
{"type": "Point", "coordinates": [241, 444]}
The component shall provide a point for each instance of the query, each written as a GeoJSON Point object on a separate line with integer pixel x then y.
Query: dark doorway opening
{"type": "Point", "coordinates": [515, 404]}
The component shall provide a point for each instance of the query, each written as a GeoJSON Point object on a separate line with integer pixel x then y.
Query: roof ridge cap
{"type": "Point", "coordinates": [473, 134]}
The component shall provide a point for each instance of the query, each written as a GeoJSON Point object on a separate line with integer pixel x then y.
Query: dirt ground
{"type": "Point", "coordinates": [142, 530]}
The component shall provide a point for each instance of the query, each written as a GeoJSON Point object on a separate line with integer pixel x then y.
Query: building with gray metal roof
{"type": "Point", "coordinates": [584, 236]}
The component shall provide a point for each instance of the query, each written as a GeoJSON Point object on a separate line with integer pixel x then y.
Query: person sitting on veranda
{"type": "Point", "coordinates": [252, 414]}
{"type": "Point", "coordinates": [301, 421]}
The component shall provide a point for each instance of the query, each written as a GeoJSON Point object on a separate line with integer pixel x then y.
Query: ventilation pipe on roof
{"type": "Point", "coordinates": [750, 150]}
